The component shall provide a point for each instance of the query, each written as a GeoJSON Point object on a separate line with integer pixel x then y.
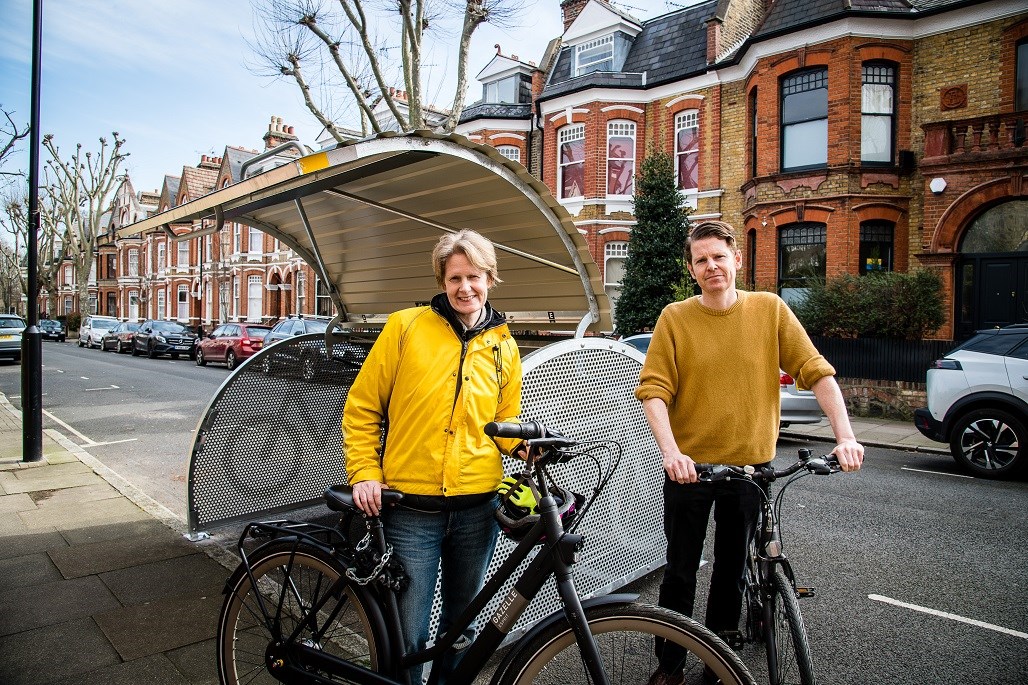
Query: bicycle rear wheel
{"type": "Point", "coordinates": [788, 650]}
{"type": "Point", "coordinates": [625, 635]}
{"type": "Point", "coordinates": [291, 581]}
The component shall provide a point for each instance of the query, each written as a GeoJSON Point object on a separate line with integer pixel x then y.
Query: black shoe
{"type": "Point", "coordinates": [661, 677]}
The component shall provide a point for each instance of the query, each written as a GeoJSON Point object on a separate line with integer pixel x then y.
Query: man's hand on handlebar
{"type": "Point", "coordinates": [679, 467]}
{"type": "Point", "coordinates": [850, 454]}
{"type": "Point", "coordinates": [367, 495]}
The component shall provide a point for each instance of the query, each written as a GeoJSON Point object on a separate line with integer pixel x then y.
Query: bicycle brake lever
{"type": "Point", "coordinates": [821, 466]}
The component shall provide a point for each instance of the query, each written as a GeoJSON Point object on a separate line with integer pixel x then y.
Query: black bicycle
{"type": "Point", "coordinates": [773, 616]}
{"type": "Point", "coordinates": [311, 604]}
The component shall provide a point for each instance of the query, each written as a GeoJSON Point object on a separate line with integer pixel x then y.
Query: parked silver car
{"type": "Point", "coordinates": [798, 406]}
{"type": "Point", "coordinates": [11, 328]}
{"type": "Point", "coordinates": [92, 329]}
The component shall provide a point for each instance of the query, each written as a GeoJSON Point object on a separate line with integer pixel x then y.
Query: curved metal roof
{"type": "Point", "coordinates": [365, 215]}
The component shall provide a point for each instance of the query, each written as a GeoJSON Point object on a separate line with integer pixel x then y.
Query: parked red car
{"type": "Point", "coordinates": [231, 343]}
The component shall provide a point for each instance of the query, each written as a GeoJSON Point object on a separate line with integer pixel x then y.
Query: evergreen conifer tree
{"type": "Point", "coordinates": [654, 270]}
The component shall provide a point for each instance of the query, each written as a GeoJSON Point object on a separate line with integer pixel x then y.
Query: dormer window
{"type": "Point", "coordinates": [596, 55]}
{"type": "Point", "coordinates": [502, 91]}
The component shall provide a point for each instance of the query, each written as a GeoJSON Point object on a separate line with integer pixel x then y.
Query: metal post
{"type": "Point", "coordinates": [32, 338]}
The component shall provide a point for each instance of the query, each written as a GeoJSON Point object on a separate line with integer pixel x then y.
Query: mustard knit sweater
{"type": "Point", "coordinates": [717, 371]}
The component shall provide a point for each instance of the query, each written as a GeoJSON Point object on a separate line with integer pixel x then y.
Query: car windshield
{"type": "Point", "coordinates": [169, 327]}
{"type": "Point", "coordinates": [316, 326]}
{"type": "Point", "coordinates": [49, 323]}
{"type": "Point", "coordinates": [134, 326]}
{"type": "Point", "coordinates": [100, 322]}
{"type": "Point", "coordinates": [11, 322]}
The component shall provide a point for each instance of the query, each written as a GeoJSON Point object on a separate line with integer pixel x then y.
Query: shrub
{"type": "Point", "coordinates": [72, 321]}
{"type": "Point", "coordinates": [901, 306]}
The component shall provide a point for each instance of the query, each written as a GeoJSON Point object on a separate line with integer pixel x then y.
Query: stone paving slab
{"type": "Point", "coordinates": [166, 624]}
{"type": "Point", "coordinates": [197, 662]}
{"type": "Point", "coordinates": [196, 575]}
{"type": "Point", "coordinates": [156, 669]}
{"type": "Point", "coordinates": [112, 531]}
{"type": "Point", "coordinates": [107, 555]}
{"type": "Point", "coordinates": [46, 654]}
{"type": "Point", "coordinates": [55, 602]}
{"type": "Point", "coordinates": [17, 502]}
{"type": "Point", "coordinates": [30, 569]}
{"type": "Point", "coordinates": [107, 511]}
{"type": "Point", "coordinates": [72, 497]}
{"type": "Point", "coordinates": [16, 540]}
{"type": "Point", "coordinates": [15, 482]}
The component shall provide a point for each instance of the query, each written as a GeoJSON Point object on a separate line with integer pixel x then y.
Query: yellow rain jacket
{"type": "Point", "coordinates": [438, 392]}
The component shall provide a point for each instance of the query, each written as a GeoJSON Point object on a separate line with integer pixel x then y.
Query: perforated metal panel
{"type": "Point", "coordinates": [271, 441]}
{"type": "Point", "coordinates": [271, 438]}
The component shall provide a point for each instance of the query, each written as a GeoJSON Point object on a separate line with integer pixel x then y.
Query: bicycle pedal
{"type": "Point", "coordinates": [732, 638]}
{"type": "Point", "coordinates": [802, 592]}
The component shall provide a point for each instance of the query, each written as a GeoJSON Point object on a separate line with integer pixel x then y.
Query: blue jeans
{"type": "Point", "coordinates": [457, 543]}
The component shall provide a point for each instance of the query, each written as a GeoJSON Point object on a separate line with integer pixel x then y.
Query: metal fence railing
{"type": "Point", "coordinates": [884, 360]}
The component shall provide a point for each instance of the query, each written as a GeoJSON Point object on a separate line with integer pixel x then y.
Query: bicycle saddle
{"type": "Point", "coordinates": [340, 498]}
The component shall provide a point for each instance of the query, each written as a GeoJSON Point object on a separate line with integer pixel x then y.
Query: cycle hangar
{"type": "Point", "coordinates": [365, 216]}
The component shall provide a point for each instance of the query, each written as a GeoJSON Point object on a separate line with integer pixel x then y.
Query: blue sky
{"type": "Point", "coordinates": [171, 76]}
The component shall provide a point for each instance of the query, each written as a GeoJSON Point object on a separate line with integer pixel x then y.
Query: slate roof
{"type": "Point", "coordinates": [493, 110]}
{"type": "Point", "coordinates": [792, 15]}
{"type": "Point", "coordinates": [669, 47]}
{"type": "Point", "coordinates": [236, 157]}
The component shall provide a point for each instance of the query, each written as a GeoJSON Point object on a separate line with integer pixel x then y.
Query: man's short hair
{"type": "Point", "coordinates": [476, 247]}
{"type": "Point", "coordinates": [709, 229]}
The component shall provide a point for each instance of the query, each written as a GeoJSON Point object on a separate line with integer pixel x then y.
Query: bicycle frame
{"type": "Point", "coordinates": [557, 557]}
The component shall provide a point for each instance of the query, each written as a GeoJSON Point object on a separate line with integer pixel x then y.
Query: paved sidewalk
{"type": "Point", "coordinates": [98, 584]}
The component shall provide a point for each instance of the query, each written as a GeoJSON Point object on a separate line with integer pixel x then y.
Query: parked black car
{"type": "Point", "coordinates": [156, 337]}
{"type": "Point", "coordinates": [52, 330]}
{"type": "Point", "coordinates": [119, 338]}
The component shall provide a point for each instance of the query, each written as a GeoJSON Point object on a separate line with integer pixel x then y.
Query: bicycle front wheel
{"type": "Point", "coordinates": [291, 582]}
{"type": "Point", "coordinates": [788, 650]}
{"type": "Point", "coordinates": [625, 635]}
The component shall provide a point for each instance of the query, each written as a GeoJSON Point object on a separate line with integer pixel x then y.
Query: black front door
{"type": "Point", "coordinates": [993, 292]}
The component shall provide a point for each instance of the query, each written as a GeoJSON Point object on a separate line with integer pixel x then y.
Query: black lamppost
{"type": "Point", "coordinates": [32, 338]}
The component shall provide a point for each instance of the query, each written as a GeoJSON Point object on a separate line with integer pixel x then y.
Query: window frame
{"type": "Point", "coordinates": [494, 86]}
{"type": "Point", "coordinates": [818, 230]}
{"type": "Point", "coordinates": [621, 128]}
{"type": "Point", "coordinates": [505, 151]}
{"type": "Point", "coordinates": [584, 67]}
{"type": "Point", "coordinates": [794, 80]}
{"type": "Point", "coordinates": [865, 116]}
{"type": "Point", "coordinates": [681, 123]}
{"type": "Point", "coordinates": [571, 133]}
{"type": "Point", "coordinates": [251, 281]}
{"type": "Point", "coordinates": [873, 234]}
{"type": "Point", "coordinates": [1021, 75]}
{"type": "Point", "coordinates": [182, 302]}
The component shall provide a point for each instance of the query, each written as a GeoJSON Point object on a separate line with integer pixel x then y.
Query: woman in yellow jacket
{"type": "Point", "coordinates": [436, 376]}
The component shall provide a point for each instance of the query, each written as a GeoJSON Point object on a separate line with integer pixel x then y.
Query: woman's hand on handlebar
{"type": "Point", "coordinates": [850, 454]}
{"type": "Point", "coordinates": [367, 495]}
{"type": "Point", "coordinates": [679, 467]}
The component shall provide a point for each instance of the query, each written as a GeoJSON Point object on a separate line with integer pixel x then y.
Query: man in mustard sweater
{"type": "Point", "coordinates": [710, 391]}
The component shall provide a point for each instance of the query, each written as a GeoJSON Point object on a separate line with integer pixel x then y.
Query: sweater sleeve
{"type": "Point", "coordinates": [797, 355]}
{"type": "Point", "coordinates": [659, 375]}
{"type": "Point", "coordinates": [367, 406]}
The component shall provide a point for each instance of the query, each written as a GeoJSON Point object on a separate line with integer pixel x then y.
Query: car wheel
{"type": "Point", "coordinates": [119, 347]}
{"type": "Point", "coordinates": [230, 360]}
{"type": "Point", "coordinates": [81, 343]}
{"type": "Point", "coordinates": [151, 351]}
{"type": "Point", "coordinates": [135, 350]}
{"type": "Point", "coordinates": [989, 443]}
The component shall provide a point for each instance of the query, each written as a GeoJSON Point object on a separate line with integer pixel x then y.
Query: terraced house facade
{"type": "Point", "coordinates": [838, 136]}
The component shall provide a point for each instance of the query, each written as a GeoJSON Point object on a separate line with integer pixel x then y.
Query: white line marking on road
{"type": "Point", "coordinates": [85, 378]}
{"type": "Point", "coordinates": [113, 442]}
{"type": "Point", "coordinates": [935, 473]}
{"type": "Point", "coordinates": [946, 614]}
{"type": "Point", "coordinates": [88, 442]}
{"type": "Point", "coordinates": [109, 387]}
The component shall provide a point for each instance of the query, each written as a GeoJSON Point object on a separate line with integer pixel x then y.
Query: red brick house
{"type": "Point", "coordinates": [838, 137]}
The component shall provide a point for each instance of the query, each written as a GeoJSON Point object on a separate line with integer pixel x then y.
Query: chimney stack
{"type": "Point", "coordinates": [278, 133]}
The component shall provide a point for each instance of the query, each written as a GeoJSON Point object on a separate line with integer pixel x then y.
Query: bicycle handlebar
{"type": "Point", "coordinates": [824, 465]}
{"type": "Point", "coordinates": [530, 430]}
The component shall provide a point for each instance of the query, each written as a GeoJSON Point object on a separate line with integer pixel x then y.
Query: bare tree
{"type": "Point", "coordinates": [318, 42]}
{"type": "Point", "coordinates": [14, 220]}
{"type": "Point", "coordinates": [82, 189]}
{"type": "Point", "coordinates": [10, 134]}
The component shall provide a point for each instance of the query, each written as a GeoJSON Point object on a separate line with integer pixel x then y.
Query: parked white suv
{"type": "Point", "coordinates": [978, 402]}
{"type": "Point", "coordinates": [92, 329]}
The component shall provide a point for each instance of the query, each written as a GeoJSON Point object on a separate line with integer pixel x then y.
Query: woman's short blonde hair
{"type": "Point", "coordinates": [478, 249]}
